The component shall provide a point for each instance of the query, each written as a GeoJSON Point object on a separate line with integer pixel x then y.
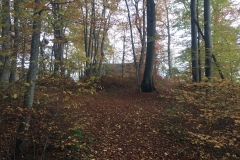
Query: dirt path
{"type": "Point", "coordinates": [126, 125]}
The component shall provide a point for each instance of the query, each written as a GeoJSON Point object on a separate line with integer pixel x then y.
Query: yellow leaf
{"type": "Point", "coordinates": [15, 95]}
{"type": "Point", "coordinates": [27, 84]}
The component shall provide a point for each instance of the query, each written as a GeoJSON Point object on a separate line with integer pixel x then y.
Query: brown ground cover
{"type": "Point", "coordinates": [121, 123]}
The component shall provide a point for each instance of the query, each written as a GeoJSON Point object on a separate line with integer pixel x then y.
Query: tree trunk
{"type": "Point", "coordinates": [124, 50]}
{"type": "Point", "coordinates": [59, 38]}
{"type": "Point", "coordinates": [86, 19]}
{"type": "Point", "coordinates": [169, 41]}
{"type": "Point", "coordinates": [106, 27]}
{"type": "Point", "coordinates": [213, 56]}
{"type": "Point", "coordinates": [142, 32]}
{"type": "Point", "coordinates": [16, 43]}
{"type": "Point", "coordinates": [208, 39]}
{"type": "Point", "coordinates": [5, 55]}
{"type": "Point", "coordinates": [147, 82]}
{"type": "Point", "coordinates": [31, 78]}
{"type": "Point", "coordinates": [198, 45]}
{"type": "Point", "coordinates": [133, 47]}
{"type": "Point", "coordinates": [143, 48]}
{"type": "Point", "coordinates": [195, 71]}
{"type": "Point", "coordinates": [89, 43]}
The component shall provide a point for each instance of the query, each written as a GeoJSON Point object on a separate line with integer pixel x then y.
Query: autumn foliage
{"type": "Point", "coordinates": [75, 121]}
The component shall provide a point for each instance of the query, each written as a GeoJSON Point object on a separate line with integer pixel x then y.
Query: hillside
{"type": "Point", "coordinates": [75, 121]}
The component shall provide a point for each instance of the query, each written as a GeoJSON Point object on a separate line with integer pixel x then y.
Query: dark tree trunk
{"type": "Point", "coordinates": [31, 78]}
{"type": "Point", "coordinates": [212, 55]}
{"type": "Point", "coordinates": [5, 55]}
{"type": "Point", "coordinates": [85, 19]}
{"type": "Point", "coordinates": [199, 45]}
{"type": "Point", "coordinates": [143, 41]}
{"type": "Point", "coordinates": [147, 82]}
{"type": "Point", "coordinates": [195, 71]}
{"type": "Point", "coordinates": [90, 42]}
{"type": "Point", "coordinates": [124, 50]}
{"type": "Point", "coordinates": [208, 39]}
{"type": "Point", "coordinates": [59, 38]}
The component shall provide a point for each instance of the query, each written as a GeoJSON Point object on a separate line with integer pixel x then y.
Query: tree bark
{"type": "Point", "coordinates": [169, 41]}
{"type": "Point", "coordinates": [90, 42]}
{"type": "Point", "coordinates": [213, 56]}
{"type": "Point", "coordinates": [147, 82]}
{"type": "Point", "coordinates": [124, 49]}
{"type": "Point", "coordinates": [86, 19]}
{"type": "Point", "coordinates": [31, 78]}
{"type": "Point", "coordinates": [133, 47]}
{"type": "Point", "coordinates": [142, 31]}
{"type": "Point", "coordinates": [199, 45]}
{"type": "Point", "coordinates": [194, 53]}
{"type": "Point", "coordinates": [59, 38]}
{"type": "Point", "coordinates": [208, 39]}
{"type": "Point", "coordinates": [16, 43]}
{"type": "Point", "coordinates": [5, 56]}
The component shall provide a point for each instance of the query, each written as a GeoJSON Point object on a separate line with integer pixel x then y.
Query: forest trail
{"type": "Point", "coordinates": [127, 125]}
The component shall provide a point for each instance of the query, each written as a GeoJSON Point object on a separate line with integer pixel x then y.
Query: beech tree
{"type": "Point", "coordinates": [31, 80]}
{"type": "Point", "coordinates": [132, 42]}
{"type": "Point", "coordinates": [208, 39]}
{"type": "Point", "coordinates": [15, 43]}
{"type": "Point", "coordinates": [147, 84]}
{"type": "Point", "coordinates": [5, 55]}
{"type": "Point", "coordinates": [169, 40]}
{"type": "Point", "coordinates": [59, 37]}
{"type": "Point", "coordinates": [195, 70]}
{"type": "Point", "coordinates": [96, 23]}
{"type": "Point", "coordinates": [140, 23]}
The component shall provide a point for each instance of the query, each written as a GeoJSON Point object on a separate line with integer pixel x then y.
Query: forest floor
{"type": "Point", "coordinates": [121, 123]}
{"type": "Point", "coordinates": [127, 124]}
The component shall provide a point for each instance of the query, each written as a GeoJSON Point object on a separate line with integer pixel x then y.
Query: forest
{"type": "Point", "coordinates": [119, 79]}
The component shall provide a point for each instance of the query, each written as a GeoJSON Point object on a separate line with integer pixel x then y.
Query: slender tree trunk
{"type": "Point", "coordinates": [208, 39]}
{"type": "Point", "coordinates": [213, 56]}
{"type": "Point", "coordinates": [218, 66]}
{"type": "Point", "coordinates": [142, 32]}
{"type": "Point", "coordinates": [133, 47]}
{"type": "Point", "coordinates": [31, 78]}
{"type": "Point", "coordinates": [195, 71]}
{"type": "Point", "coordinates": [94, 40]}
{"type": "Point", "coordinates": [169, 41]}
{"type": "Point", "coordinates": [106, 27]}
{"type": "Point", "coordinates": [23, 56]}
{"type": "Point", "coordinates": [147, 82]}
{"type": "Point", "coordinates": [143, 48]}
{"type": "Point", "coordinates": [199, 46]}
{"type": "Point", "coordinates": [89, 43]}
{"type": "Point", "coordinates": [124, 48]}
{"type": "Point", "coordinates": [5, 56]}
{"type": "Point", "coordinates": [102, 43]}
{"type": "Point", "coordinates": [16, 43]}
{"type": "Point", "coordinates": [86, 35]}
